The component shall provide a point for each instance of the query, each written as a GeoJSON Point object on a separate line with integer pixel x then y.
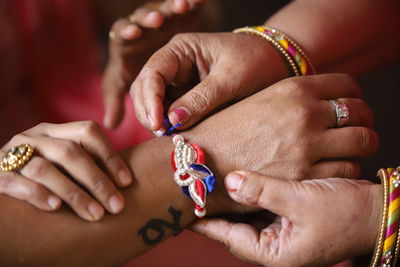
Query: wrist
{"type": "Point", "coordinates": [374, 222]}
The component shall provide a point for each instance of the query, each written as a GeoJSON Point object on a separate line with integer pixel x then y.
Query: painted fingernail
{"type": "Point", "coordinates": [124, 177]}
{"type": "Point", "coordinates": [116, 203]}
{"type": "Point", "coordinates": [53, 202]}
{"type": "Point", "coordinates": [95, 210]}
{"type": "Point", "coordinates": [179, 115]}
{"type": "Point", "coordinates": [233, 182]}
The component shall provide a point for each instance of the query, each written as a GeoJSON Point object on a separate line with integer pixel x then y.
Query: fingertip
{"type": "Point", "coordinates": [125, 177]}
{"type": "Point", "coordinates": [179, 115]}
{"type": "Point", "coordinates": [96, 211]}
{"type": "Point", "coordinates": [180, 6]}
{"type": "Point", "coordinates": [54, 202]}
{"type": "Point", "coordinates": [233, 182]}
{"type": "Point", "coordinates": [108, 122]}
{"type": "Point", "coordinates": [116, 203]}
{"type": "Point", "coordinates": [153, 20]}
{"type": "Point", "coordinates": [131, 32]}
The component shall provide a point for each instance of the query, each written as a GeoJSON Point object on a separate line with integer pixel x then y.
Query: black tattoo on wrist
{"type": "Point", "coordinates": [158, 225]}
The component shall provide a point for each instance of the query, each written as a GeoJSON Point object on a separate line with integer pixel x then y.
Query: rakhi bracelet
{"type": "Point", "coordinates": [191, 173]}
{"type": "Point", "coordinates": [391, 242]}
{"type": "Point", "coordinates": [295, 57]}
{"type": "Point", "coordinates": [384, 177]}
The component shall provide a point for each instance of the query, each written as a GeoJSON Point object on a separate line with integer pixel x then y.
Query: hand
{"type": "Point", "coordinates": [229, 66]}
{"type": "Point", "coordinates": [134, 39]}
{"type": "Point", "coordinates": [319, 222]}
{"type": "Point", "coordinates": [63, 151]}
{"type": "Point", "coordinates": [287, 130]}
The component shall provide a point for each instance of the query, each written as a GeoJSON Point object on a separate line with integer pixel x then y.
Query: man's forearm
{"type": "Point", "coordinates": [343, 36]}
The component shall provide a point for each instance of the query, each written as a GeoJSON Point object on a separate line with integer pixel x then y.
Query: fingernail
{"type": "Point", "coordinates": [179, 115]}
{"type": "Point", "coordinates": [95, 210]}
{"type": "Point", "coordinates": [124, 177]}
{"type": "Point", "coordinates": [233, 182]}
{"type": "Point", "coordinates": [129, 31]}
{"type": "Point", "coordinates": [116, 203]}
{"type": "Point", "coordinates": [53, 202]}
{"type": "Point", "coordinates": [158, 133]}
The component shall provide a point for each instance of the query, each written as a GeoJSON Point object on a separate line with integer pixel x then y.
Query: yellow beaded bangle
{"type": "Point", "coordinates": [295, 51]}
{"type": "Point", "coordinates": [383, 175]}
{"type": "Point", "coordinates": [292, 65]}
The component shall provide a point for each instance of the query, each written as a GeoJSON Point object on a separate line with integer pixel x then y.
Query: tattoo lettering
{"type": "Point", "coordinates": [158, 225]}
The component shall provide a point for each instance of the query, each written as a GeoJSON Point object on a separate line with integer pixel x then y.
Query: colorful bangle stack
{"type": "Point", "coordinates": [387, 248]}
{"type": "Point", "coordinates": [191, 173]}
{"type": "Point", "coordinates": [295, 57]}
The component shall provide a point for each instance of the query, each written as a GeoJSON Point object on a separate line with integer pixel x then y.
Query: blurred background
{"type": "Point", "coordinates": [51, 57]}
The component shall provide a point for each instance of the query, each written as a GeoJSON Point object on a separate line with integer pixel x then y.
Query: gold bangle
{"type": "Point", "coordinates": [290, 62]}
{"type": "Point", "coordinates": [379, 244]}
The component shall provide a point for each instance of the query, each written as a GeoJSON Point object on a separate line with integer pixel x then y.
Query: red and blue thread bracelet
{"type": "Point", "coordinates": [191, 173]}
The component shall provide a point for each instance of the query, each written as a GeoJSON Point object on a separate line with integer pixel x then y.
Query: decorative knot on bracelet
{"type": "Point", "coordinates": [171, 129]}
{"type": "Point", "coordinates": [191, 173]}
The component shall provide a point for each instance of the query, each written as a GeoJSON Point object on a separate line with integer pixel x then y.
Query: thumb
{"type": "Point", "coordinates": [213, 92]}
{"type": "Point", "coordinates": [276, 195]}
{"type": "Point", "coordinates": [241, 239]}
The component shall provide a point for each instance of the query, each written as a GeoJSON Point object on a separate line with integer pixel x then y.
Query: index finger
{"type": "Point", "coordinates": [172, 63]}
{"type": "Point", "coordinates": [90, 136]}
{"type": "Point", "coordinates": [330, 86]}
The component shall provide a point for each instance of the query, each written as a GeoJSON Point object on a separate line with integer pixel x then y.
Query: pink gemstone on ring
{"type": "Point", "coordinates": [342, 111]}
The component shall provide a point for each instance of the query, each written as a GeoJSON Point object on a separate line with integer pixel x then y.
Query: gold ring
{"type": "Point", "coordinates": [16, 157]}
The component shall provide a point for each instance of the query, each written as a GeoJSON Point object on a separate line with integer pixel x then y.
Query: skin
{"type": "Point", "coordinates": [135, 38]}
{"type": "Point", "coordinates": [275, 111]}
{"type": "Point", "coordinates": [64, 153]}
{"type": "Point", "coordinates": [315, 233]}
{"type": "Point", "coordinates": [199, 63]}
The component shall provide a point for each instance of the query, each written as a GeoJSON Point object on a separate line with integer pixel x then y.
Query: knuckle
{"type": "Point", "coordinates": [75, 197]}
{"type": "Point", "coordinates": [350, 82]}
{"type": "Point", "coordinates": [294, 87]}
{"type": "Point", "coordinates": [68, 149]}
{"type": "Point", "coordinates": [89, 128]}
{"type": "Point", "coordinates": [18, 138]}
{"type": "Point", "coordinates": [101, 184]}
{"type": "Point", "coordinates": [36, 168]}
{"type": "Point", "coordinates": [6, 181]}
{"type": "Point", "coordinates": [350, 170]}
{"type": "Point", "coordinates": [42, 125]}
{"type": "Point", "coordinates": [34, 191]}
{"type": "Point", "coordinates": [179, 37]}
{"type": "Point", "coordinates": [199, 101]}
{"type": "Point", "coordinates": [365, 140]}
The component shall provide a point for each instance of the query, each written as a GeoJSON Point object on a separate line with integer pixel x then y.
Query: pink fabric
{"type": "Point", "coordinates": [62, 59]}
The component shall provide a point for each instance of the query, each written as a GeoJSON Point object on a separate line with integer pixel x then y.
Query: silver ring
{"type": "Point", "coordinates": [341, 111]}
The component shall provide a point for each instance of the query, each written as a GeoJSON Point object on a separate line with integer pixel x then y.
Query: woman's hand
{"type": "Point", "coordinates": [133, 40]}
{"type": "Point", "coordinates": [229, 66]}
{"type": "Point", "coordinates": [319, 222]}
{"type": "Point", "coordinates": [288, 130]}
{"type": "Point", "coordinates": [65, 158]}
